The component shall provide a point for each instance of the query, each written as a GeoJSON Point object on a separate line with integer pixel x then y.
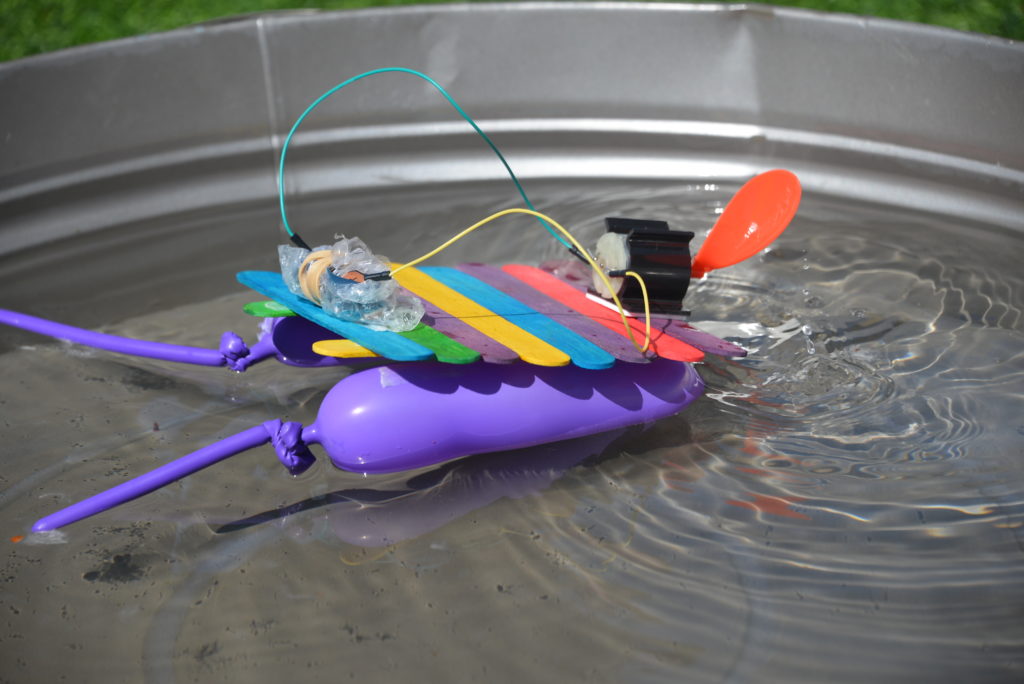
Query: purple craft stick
{"type": "Point", "coordinates": [694, 337]}
{"type": "Point", "coordinates": [618, 346]}
{"type": "Point", "coordinates": [490, 349]}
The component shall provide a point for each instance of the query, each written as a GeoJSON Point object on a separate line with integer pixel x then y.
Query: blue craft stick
{"type": "Point", "coordinates": [583, 352]}
{"type": "Point", "coordinates": [386, 343]}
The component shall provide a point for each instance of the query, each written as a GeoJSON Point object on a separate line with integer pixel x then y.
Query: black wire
{"type": "Point", "coordinates": [299, 242]}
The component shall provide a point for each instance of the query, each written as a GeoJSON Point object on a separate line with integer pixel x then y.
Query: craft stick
{"type": "Point", "coordinates": [529, 347]}
{"type": "Point", "coordinates": [661, 343]}
{"type": "Point", "coordinates": [618, 346]}
{"type": "Point", "coordinates": [384, 342]}
{"type": "Point", "coordinates": [582, 351]}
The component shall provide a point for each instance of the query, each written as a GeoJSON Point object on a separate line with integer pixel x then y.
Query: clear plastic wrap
{"type": "Point", "coordinates": [344, 292]}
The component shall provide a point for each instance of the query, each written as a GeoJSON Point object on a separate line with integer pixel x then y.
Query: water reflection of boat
{"type": "Point", "coordinates": [381, 517]}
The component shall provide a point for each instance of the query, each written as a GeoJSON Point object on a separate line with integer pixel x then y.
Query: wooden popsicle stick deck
{"type": "Point", "coordinates": [500, 315]}
{"type": "Point", "coordinates": [385, 343]}
{"type": "Point", "coordinates": [582, 351]}
{"type": "Point", "coordinates": [661, 343]}
{"type": "Point", "coordinates": [529, 347]}
{"type": "Point", "coordinates": [490, 349]}
{"type": "Point", "coordinates": [618, 346]}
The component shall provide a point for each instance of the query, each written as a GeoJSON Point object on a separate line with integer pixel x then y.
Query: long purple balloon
{"type": "Point", "coordinates": [290, 340]}
{"type": "Point", "coordinates": [122, 345]}
{"type": "Point", "coordinates": [155, 479]}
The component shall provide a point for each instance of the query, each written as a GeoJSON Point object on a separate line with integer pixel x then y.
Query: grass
{"type": "Point", "coordinates": [33, 26]}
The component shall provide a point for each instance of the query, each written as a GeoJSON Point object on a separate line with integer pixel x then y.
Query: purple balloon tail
{"type": "Point", "coordinates": [286, 438]}
{"type": "Point", "coordinates": [122, 345]}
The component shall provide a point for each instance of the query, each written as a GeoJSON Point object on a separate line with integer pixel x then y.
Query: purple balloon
{"type": "Point", "coordinates": [401, 417]}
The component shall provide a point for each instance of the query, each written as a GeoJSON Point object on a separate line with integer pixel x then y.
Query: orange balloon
{"type": "Point", "coordinates": [754, 217]}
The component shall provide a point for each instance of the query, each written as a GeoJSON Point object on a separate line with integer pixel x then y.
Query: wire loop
{"type": "Point", "coordinates": [302, 117]}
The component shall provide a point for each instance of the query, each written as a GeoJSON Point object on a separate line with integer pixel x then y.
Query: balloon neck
{"type": "Point", "coordinates": [292, 450]}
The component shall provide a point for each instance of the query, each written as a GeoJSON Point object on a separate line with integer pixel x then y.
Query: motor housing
{"type": "Point", "coordinates": [658, 255]}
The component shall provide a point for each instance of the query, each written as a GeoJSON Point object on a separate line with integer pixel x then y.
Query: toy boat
{"type": "Point", "coordinates": [503, 357]}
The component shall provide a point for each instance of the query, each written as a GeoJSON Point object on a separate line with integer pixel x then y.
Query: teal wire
{"type": "Point", "coordinates": [451, 101]}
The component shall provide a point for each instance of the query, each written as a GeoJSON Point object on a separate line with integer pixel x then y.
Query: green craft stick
{"type": "Point", "coordinates": [267, 309]}
{"type": "Point", "coordinates": [445, 348]}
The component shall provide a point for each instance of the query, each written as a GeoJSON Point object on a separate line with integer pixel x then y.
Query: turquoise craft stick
{"type": "Point", "coordinates": [583, 353]}
{"type": "Point", "coordinates": [384, 342]}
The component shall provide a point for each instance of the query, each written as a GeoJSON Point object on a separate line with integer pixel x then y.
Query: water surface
{"type": "Point", "coordinates": [845, 504]}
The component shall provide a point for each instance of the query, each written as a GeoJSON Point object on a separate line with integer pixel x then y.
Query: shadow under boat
{"type": "Point", "coordinates": [371, 517]}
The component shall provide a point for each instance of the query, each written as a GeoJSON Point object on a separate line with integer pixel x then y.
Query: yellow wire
{"type": "Point", "coordinates": [647, 309]}
{"type": "Point", "coordinates": [579, 248]}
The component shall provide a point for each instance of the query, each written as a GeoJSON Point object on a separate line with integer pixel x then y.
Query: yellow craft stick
{"type": "Point", "coordinates": [530, 348]}
{"type": "Point", "coordinates": [342, 349]}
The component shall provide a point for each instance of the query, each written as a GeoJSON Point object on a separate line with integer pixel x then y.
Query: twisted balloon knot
{"type": "Point", "coordinates": [235, 352]}
{"type": "Point", "coordinates": [293, 453]}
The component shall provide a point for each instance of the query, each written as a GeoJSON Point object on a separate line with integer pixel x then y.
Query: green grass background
{"type": "Point", "coordinates": [32, 26]}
